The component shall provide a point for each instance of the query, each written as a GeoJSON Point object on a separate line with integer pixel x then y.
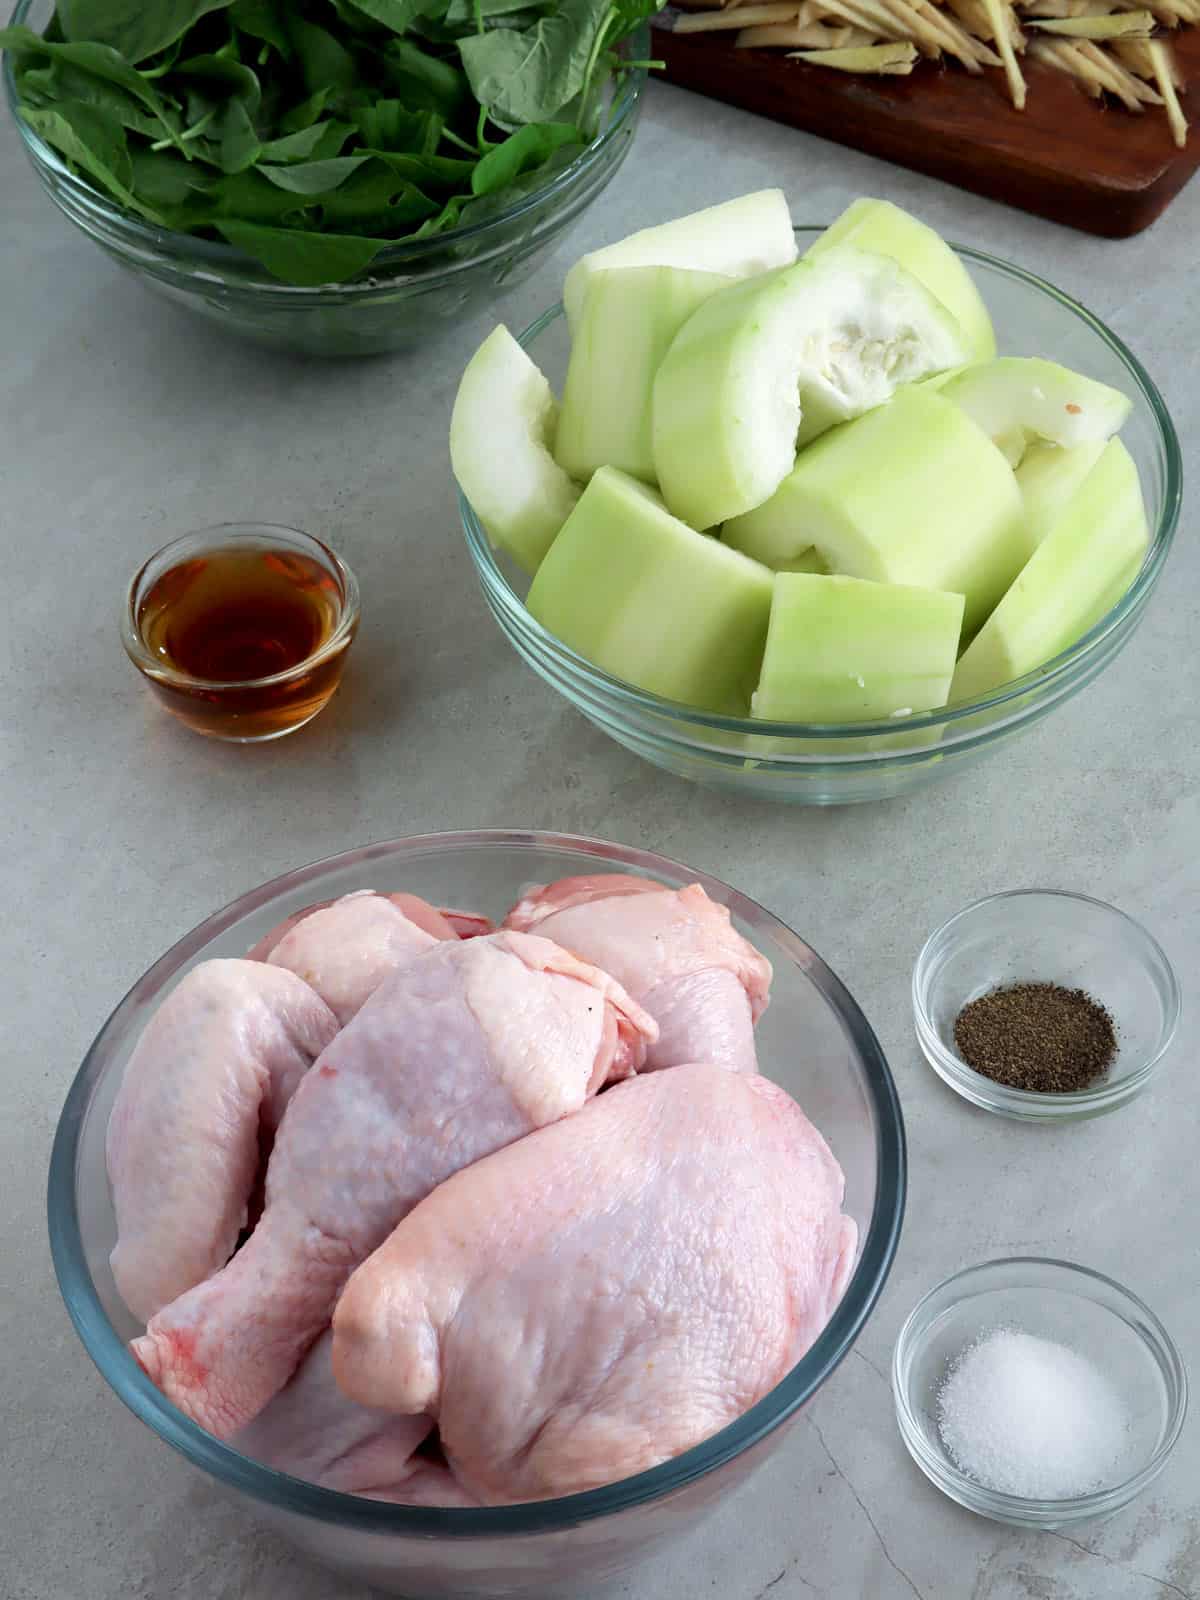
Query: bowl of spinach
{"type": "Point", "coordinates": [337, 177]}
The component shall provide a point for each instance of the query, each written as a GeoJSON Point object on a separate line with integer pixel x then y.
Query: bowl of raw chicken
{"type": "Point", "coordinates": [479, 1207]}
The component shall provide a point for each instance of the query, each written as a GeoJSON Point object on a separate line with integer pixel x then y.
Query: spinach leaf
{"type": "Point", "coordinates": [134, 28]}
{"type": "Point", "coordinates": [317, 142]}
{"type": "Point", "coordinates": [218, 78]}
{"type": "Point", "coordinates": [164, 180]}
{"type": "Point", "coordinates": [428, 172]}
{"type": "Point", "coordinates": [389, 125]}
{"type": "Point", "coordinates": [482, 207]}
{"type": "Point", "coordinates": [306, 113]}
{"type": "Point", "coordinates": [262, 19]}
{"type": "Point", "coordinates": [62, 81]}
{"type": "Point", "coordinates": [398, 16]}
{"type": "Point", "coordinates": [324, 62]}
{"type": "Point", "coordinates": [425, 82]}
{"type": "Point", "coordinates": [530, 74]}
{"type": "Point", "coordinates": [95, 141]}
{"type": "Point", "coordinates": [376, 200]}
{"type": "Point", "coordinates": [313, 177]}
{"type": "Point", "coordinates": [250, 196]}
{"type": "Point", "coordinates": [307, 259]}
{"type": "Point", "coordinates": [468, 13]}
{"type": "Point", "coordinates": [238, 147]}
{"type": "Point", "coordinates": [530, 146]}
{"type": "Point", "coordinates": [447, 218]}
{"type": "Point", "coordinates": [98, 59]}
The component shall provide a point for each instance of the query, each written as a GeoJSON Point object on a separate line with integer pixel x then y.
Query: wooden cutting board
{"type": "Point", "coordinates": [1097, 168]}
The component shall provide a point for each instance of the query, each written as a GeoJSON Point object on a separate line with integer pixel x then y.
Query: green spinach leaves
{"type": "Point", "coordinates": [312, 133]}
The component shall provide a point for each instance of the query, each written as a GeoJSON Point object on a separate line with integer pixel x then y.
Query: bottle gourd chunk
{"type": "Point", "coordinates": [1075, 576]}
{"type": "Point", "coordinates": [629, 317]}
{"type": "Point", "coordinates": [739, 238]}
{"type": "Point", "coordinates": [912, 493]}
{"type": "Point", "coordinates": [500, 435]}
{"type": "Point", "coordinates": [650, 600]}
{"type": "Point", "coordinates": [839, 334]}
{"type": "Point", "coordinates": [880, 226]}
{"type": "Point", "coordinates": [843, 650]}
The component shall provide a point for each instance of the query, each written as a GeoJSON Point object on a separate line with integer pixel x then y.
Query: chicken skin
{"type": "Point", "coordinates": [674, 950]}
{"type": "Point", "coordinates": [467, 1048]}
{"type": "Point", "coordinates": [312, 1431]}
{"type": "Point", "coordinates": [202, 1094]}
{"type": "Point", "coordinates": [608, 1291]}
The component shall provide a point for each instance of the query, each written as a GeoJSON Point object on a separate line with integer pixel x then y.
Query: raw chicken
{"type": "Point", "coordinates": [444, 924]}
{"type": "Point", "coordinates": [674, 950]}
{"type": "Point", "coordinates": [311, 1430]}
{"type": "Point", "coordinates": [204, 1089]}
{"type": "Point", "coordinates": [345, 950]}
{"type": "Point", "coordinates": [609, 1291]}
{"type": "Point", "coordinates": [462, 1051]}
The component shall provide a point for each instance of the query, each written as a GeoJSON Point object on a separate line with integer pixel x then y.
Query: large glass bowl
{"type": "Point", "coordinates": [813, 1039]}
{"type": "Point", "coordinates": [411, 292]}
{"type": "Point", "coordinates": [831, 764]}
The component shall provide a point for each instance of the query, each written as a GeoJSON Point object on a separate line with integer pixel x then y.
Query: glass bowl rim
{"type": "Point", "coordinates": [1055, 674]}
{"type": "Point", "coordinates": [216, 253]}
{"type": "Point", "coordinates": [233, 533]}
{"type": "Point", "coordinates": [131, 1385]}
{"type": "Point", "coordinates": [995, 1503]}
{"type": "Point", "coordinates": [986, 1092]}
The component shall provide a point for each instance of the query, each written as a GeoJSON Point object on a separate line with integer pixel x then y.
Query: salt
{"type": "Point", "coordinates": [1029, 1417]}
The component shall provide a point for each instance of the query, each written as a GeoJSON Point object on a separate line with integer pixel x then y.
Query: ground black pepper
{"type": "Point", "coordinates": [1036, 1036]}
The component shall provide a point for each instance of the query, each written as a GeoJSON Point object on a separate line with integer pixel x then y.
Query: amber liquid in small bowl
{"type": "Point", "coordinates": [243, 641]}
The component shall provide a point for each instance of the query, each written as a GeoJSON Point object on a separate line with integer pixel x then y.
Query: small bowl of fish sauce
{"type": "Point", "coordinates": [242, 630]}
{"type": "Point", "coordinates": [1040, 976]}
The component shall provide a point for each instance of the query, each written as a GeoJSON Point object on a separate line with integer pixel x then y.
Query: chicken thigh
{"type": "Point", "coordinates": [467, 1048]}
{"type": "Point", "coordinates": [674, 950]}
{"type": "Point", "coordinates": [312, 1431]}
{"type": "Point", "coordinates": [345, 950]}
{"type": "Point", "coordinates": [609, 1291]}
{"type": "Point", "coordinates": [443, 924]}
{"type": "Point", "coordinates": [204, 1089]}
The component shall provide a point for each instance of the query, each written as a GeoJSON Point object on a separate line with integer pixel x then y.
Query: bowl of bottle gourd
{"type": "Point", "coordinates": [955, 530]}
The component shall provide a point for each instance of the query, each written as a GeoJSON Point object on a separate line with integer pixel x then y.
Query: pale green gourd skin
{"type": "Point", "coordinates": [884, 228]}
{"type": "Point", "coordinates": [500, 433]}
{"type": "Point", "coordinates": [629, 317]}
{"type": "Point", "coordinates": [647, 598]}
{"type": "Point", "coordinates": [836, 336]}
{"type": "Point", "coordinates": [844, 650]}
{"type": "Point", "coordinates": [911, 493]}
{"type": "Point", "coordinates": [1048, 477]}
{"type": "Point", "coordinates": [738, 238]}
{"type": "Point", "coordinates": [1076, 575]}
{"type": "Point", "coordinates": [1044, 399]}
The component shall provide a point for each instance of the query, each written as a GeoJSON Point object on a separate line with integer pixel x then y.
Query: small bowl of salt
{"type": "Point", "coordinates": [1037, 1393]}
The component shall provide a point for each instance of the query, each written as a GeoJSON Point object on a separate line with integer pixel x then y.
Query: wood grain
{"type": "Point", "coordinates": [1090, 166]}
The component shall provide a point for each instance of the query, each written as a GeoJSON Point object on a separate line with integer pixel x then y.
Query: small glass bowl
{"type": "Point", "coordinates": [1071, 1305]}
{"type": "Point", "coordinates": [248, 710]}
{"type": "Point", "coordinates": [1047, 936]}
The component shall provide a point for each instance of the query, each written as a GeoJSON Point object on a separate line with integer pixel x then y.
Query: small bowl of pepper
{"type": "Point", "coordinates": [1043, 1005]}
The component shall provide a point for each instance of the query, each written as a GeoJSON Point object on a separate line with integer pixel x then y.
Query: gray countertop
{"type": "Point", "coordinates": [123, 423]}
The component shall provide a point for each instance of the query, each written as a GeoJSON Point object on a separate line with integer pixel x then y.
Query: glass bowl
{"type": "Point", "coordinates": [246, 710]}
{"type": "Point", "coordinates": [813, 1039]}
{"type": "Point", "coordinates": [411, 293]}
{"type": "Point", "coordinates": [1051, 1300]}
{"type": "Point", "coordinates": [831, 764]}
{"type": "Point", "coordinates": [1047, 936]}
